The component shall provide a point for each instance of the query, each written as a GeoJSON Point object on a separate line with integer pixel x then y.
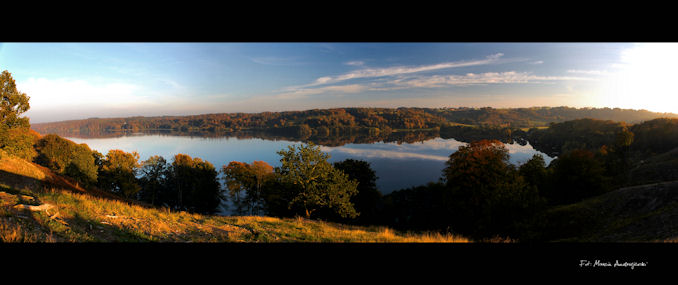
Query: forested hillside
{"type": "Point", "coordinates": [328, 122]}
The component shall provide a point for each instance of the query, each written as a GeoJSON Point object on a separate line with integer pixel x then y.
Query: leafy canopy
{"type": "Point", "coordinates": [13, 103]}
{"type": "Point", "coordinates": [248, 178]}
{"type": "Point", "coordinates": [316, 184]}
{"type": "Point", "coordinates": [16, 138]}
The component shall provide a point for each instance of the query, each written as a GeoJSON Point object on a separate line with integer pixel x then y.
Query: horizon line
{"type": "Point", "coordinates": [304, 110]}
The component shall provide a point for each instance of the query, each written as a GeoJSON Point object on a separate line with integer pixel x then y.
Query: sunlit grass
{"type": "Point", "coordinates": [12, 164]}
{"type": "Point", "coordinates": [80, 217]}
{"type": "Point", "coordinates": [83, 218]}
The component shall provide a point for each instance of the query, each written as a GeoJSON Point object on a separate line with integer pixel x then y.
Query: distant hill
{"type": "Point", "coordinates": [341, 120]}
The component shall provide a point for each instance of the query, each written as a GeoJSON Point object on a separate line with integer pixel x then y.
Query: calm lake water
{"type": "Point", "coordinates": [398, 166]}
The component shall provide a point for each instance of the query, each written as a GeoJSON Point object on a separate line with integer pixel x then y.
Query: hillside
{"type": "Point", "coordinates": [340, 121]}
{"type": "Point", "coordinates": [644, 213]}
{"type": "Point", "coordinates": [37, 205]}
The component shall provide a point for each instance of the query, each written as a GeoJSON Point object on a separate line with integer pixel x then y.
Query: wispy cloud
{"type": "Point", "coordinates": [401, 73]}
{"type": "Point", "coordinates": [172, 83]}
{"type": "Point", "coordinates": [399, 70]}
{"type": "Point", "coordinates": [301, 93]}
{"type": "Point", "coordinates": [479, 79]}
{"type": "Point", "coordinates": [408, 81]}
{"type": "Point", "coordinates": [355, 63]}
{"type": "Point", "coordinates": [589, 72]}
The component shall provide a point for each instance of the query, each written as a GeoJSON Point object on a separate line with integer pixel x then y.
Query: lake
{"type": "Point", "coordinates": [397, 165]}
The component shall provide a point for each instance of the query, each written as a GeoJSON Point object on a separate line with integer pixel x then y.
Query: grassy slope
{"type": "Point", "coordinates": [644, 213]}
{"type": "Point", "coordinates": [86, 215]}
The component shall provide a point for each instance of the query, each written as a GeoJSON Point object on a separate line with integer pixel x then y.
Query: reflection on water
{"type": "Point", "coordinates": [398, 165]}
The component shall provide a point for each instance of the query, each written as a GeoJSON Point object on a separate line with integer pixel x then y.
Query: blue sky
{"type": "Point", "coordinates": [81, 80]}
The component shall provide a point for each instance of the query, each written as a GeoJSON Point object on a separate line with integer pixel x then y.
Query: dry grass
{"type": "Point", "coordinates": [20, 166]}
{"type": "Point", "coordinates": [84, 218]}
{"type": "Point", "coordinates": [78, 216]}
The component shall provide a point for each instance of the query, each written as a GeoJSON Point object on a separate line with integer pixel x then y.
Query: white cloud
{"type": "Point", "coordinates": [312, 88]}
{"type": "Point", "coordinates": [399, 70]}
{"type": "Point", "coordinates": [479, 79]}
{"type": "Point", "coordinates": [403, 77]}
{"type": "Point", "coordinates": [355, 63]}
{"type": "Point", "coordinates": [589, 72]}
{"type": "Point", "coordinates": [50, 93]}
{"type": "Point", "coordinates": [417, 81]}
{"type": "Point", "coordinates": [66, 98]}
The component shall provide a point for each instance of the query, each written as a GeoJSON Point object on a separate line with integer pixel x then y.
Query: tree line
{"type": "Point", "coordinates": [338, 121]}
{"type": "Point", "coordinates": [479, 194]}
{"type": "Point", "coordinates": [305, 184]}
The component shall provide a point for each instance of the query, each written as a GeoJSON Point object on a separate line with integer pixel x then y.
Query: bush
{"type": "Point", "coordinates": [68, 158]}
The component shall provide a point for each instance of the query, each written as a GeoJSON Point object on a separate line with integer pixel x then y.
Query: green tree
{"type": "Point", "coordinates": [54, 152]}
{"type": "Point", "coordinates": [16, 137]}
{"type": "Point", "coordinates": [368, 197]}
{"type": "Point", "coordinates": [535, 172]}
{"type": "Point", "coordinates": [19, 141]}
{"type": "Point", "coordinates": [315, 183]}
{"type": "Point", "coordinates": [119, 171]}
{"type": "Point", "coordinates": [82, 165]}
{"type": "Point", "coordinates": [577, 175]}
{"type": "Point", "coordinates": [154, 172]}
{"type": "Point", "coordinates": [66, 157]}
{"type": "Point", "coordinates": [14, 103]}
{"type": "Point", "coordinates": [194, 185]}
{"type": "Point", "coordinates": [241, 177]}
{"type": "Point", "coordinates": [487, 196]}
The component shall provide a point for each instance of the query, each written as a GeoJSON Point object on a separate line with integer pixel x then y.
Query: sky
{"type": "Point", "coordinates": [73, 80]}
